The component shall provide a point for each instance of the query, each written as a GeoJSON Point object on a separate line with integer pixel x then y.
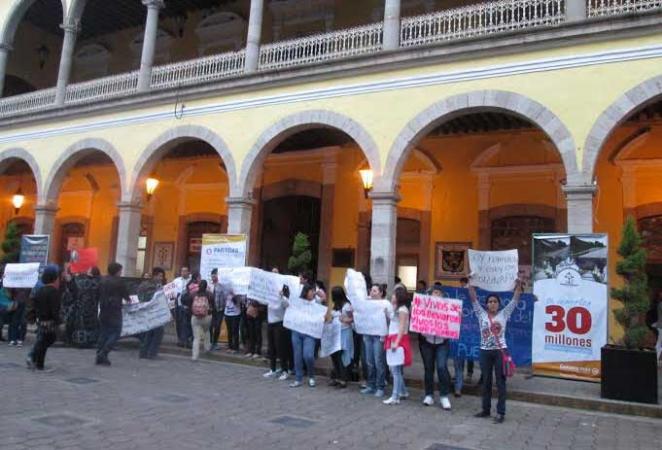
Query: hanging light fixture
{"type": "Point", "coordinates": [18, 200]}
{"type": "Point", "coordinates": [367, 177]}
{"type": "Point", "coordinates": [150, 186]}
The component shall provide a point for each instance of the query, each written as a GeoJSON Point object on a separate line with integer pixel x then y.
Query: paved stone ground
{"type": "Point", "coordinates": [173, 403]}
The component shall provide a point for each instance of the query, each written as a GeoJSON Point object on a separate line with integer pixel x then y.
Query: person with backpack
{"type": "Point", "coordinates": [202, 307]}
{"type": "Point", "coordinates": [493, 349]}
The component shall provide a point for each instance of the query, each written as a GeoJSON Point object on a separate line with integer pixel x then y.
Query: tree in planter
{"type": "Point", "coordinates": [634, 293]}
{"type": "Point", "coordinates": [301, 254]}
{"type": "Point", "coordinates": [11, 246]}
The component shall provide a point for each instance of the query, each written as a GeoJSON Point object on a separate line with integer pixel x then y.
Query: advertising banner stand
{"type": "Point", "coordinates": [221, 250]}
{"type": "Point", "coordinates": [570, 317]}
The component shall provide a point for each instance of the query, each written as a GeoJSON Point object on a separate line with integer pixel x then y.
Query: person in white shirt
{"type": "Point", "coordinates": [279, 340]}
{"type": "Point", "coordinates": [181, 317]}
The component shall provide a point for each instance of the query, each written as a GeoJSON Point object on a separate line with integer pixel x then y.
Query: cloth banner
{"type": "Point", "coordinates": [355, 286]}
{"type": "Point", "coordinates": [34, 248]}
{"type": "Point", "coordinates": [265, 287]}
{"type": "Point", "coordinates": [494, 271]}
{"type": "Point", "coordinates": [142, 317]}
{"type": "Point", "coordinates": [84, 259]}
{"type": "Point", "coordinates": [369, 317]}
{"type": "Point", "coordinates": [221, 250]}
{"type": "Point", "coordinates": [331, 335]}
{"type": "Point", "coordinates": [21, 275]}
{"type": "Point", "coordinates": [305, 317]}
{"type": "Point", "coordinates": [518, 331]}
{"type": "Point", "coordinates": [570, 318]}
{"type": "Point", "coordinates": [235, 278]}
{"type": "Point", "coordinates": [436, 316]}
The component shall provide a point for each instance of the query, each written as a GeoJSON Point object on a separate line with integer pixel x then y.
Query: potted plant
{"type": "Point", "coordinates": [301, 254]}
{"type": "Point", "coordinates": [629, 371]}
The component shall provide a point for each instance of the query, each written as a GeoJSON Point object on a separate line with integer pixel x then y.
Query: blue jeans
{"type": "Point", "coordinates": [108, 336]}
{"type": "Point", "coordinates": [399, 388]}
{"type": "Point", "coordinates": [458, 364]}
{"type": "Point", "coordinates": [304, 354]}
{"type": "Point", "coordinates": [17, 326]}
{"type": "Point", "coordinates": [490, 361]}
{"type": "Point", "coordinates": [183, 325]}
{"type": "Point", "coordinates": [150, 343]}
{"type": "Point", "coordinates": [435, 356]}
{"type": "Point", "coordinates": [375, 360]}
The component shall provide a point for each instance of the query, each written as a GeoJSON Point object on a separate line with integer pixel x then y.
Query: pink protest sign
{"type": "Point", "coordinates": [436, 316]}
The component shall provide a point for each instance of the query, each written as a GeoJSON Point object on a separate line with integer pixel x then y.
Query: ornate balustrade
{"type": "Point", "coordinates": [598, 8]}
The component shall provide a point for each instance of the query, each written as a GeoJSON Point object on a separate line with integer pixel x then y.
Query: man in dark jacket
{"type": "Point", "coordinates": [112, 291]}
{"type": "Point", "coordinates": [151, 340]}
{"type": "Point", "coordinates": [47, 311]}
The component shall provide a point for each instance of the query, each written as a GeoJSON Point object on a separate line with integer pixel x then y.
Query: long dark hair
{"type": "Point", "coordinates": [306, 289]}
{"type": "Point", "coordinates": [400, 297]}
{"type": "Point", "coordinates": [339, 298]}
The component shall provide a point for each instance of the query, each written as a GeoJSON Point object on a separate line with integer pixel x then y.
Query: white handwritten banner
{"type": "Point", "coordinates": [264, 287]}
{"type": "Point", "coordinates": [436, 316]}
{"type": "Point", "coordinates": [494, 271]}
{"type": "Point", "coordinates": [370, 318]}
{"type": "Point", "coordinates": [331, 338]}
{"type": "Point", "coordinates": [355, 286]}
{"type": "Point", "coordinates": [143, 317]}
{"type": "Point", "coordinates": [306, 317]}
{"type": "Point", "coordinates": [23, 275]}
{"type": "Point", "coordinates": [236, 278]}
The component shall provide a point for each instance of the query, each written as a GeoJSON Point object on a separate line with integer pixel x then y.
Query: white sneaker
{"type": "Point", "coordinates": [19, 343]}
{"type": "Point", "coordinates": [391, 401]}
{"type": "Point", "coordinates": [428, 400]}
{"type": "Point", "coordinates": [295, 384]}
{"type": "Point", "coordinates": [311, 382]}
{"type": "Point", "coordinates": [283, 376]}
{"type": "Point", "coordinates": [445, 403]}
{"type": "Point", "coordinates": [270, 374]}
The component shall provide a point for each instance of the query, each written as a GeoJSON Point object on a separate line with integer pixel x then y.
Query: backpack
{"type": "Point", "coordinates": [200, 306]}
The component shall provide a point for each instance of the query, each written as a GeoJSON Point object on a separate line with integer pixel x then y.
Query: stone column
{"type": "Point", "coordinates": [44, 219]}
{"type": "Point", "coordinates": [575, 10]}
{"type": "Point", "coordinates": [240, 210]}
{"type": "Point", "coordinates": [254, 36]}
{"type": "Point", "coordinates": [579, 199]}
{"type": "Point", "coordinates": [325, 247]}
{"type": "Point", "coordinates": [128, 231]}
{"type": "Point", "coordinates": [391, 25]}
{"type": "Point", "coordinates": [383, 237]}
{"type": "Point", "coordinates": [149, 44]}
{"type": "Point", "coordinates": [4, 55]}
{"type": "Point", "coordinates": [66, 60]}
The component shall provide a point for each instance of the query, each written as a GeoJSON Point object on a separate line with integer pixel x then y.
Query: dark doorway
{"type": "Point", "coordinates": [194, 233]}
{"type": "Point", "coordinates": [283, 218]}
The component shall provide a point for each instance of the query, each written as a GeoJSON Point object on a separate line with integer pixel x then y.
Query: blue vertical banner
{"type": "Point", "coordinates": [34, 248]}
{"type": "Point", "coordinates": [518, 330]}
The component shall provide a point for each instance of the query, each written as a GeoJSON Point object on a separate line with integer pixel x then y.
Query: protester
{"type": "Point", "coordinates": [434, 352]}
{"type": "Point", "coordinates": [46, 308]}
{"type": "Point", "coordinates": [374, 354]}
{"type": "Point", "coordinates": [320, 293]}
{"type": "Point", "coordinates": [186, 299]}
{"type": "Point", "coordinates": [398, 336]}
{"type": "Point", "coordinates": [342, 359]}
{"type": "Point", "coordinates": [658, 325]}
{"type": "Point", "coordinates": [398, 284]}
{"type": "Point", "coordinates": [201, 312]}
{"type": "Point", "coordinates": [421, 287]}
{"type": "Point", "coordinates": [460, 359]}
{"type": "Point", "coordinates": [150, 341]}
{"type": "Point", "coordinates": [232, 317]}
{"type": "Point", "coordinates": [219, 294]}
{"type": "Point", "coordinates": [279, 338]}
{"type": "Point", "coordinates": [303, 347]}
{"type": "Point", "coordinates": [112, 292]}
{"type": "Point", "coordinates": [180, 313]}
{"type": "Point", "coordinates": [16, 317]}
{"type": "Point", "coordinates": [254, 320]}
{"type": "Point", "coordinates": [492, 347]}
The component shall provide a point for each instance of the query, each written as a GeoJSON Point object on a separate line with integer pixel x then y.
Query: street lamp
{"type": "Point", "coordinates": [18, 200]}
{"type": "Point", "coordinates": [150, 186]}
{"type": "Point", "coordinates": [367, 176]}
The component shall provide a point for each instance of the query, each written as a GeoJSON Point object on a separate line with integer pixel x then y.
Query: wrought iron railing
{"type": "Point", "coordinates": [597, 8]}
{"type": "Point", "coordinates": [102, 88]}
{"type": "Point", "coordinates": [199, 70]}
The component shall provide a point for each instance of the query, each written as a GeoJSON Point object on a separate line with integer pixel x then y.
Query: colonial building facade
{"type": "Point", "coordinates": [481, 123]}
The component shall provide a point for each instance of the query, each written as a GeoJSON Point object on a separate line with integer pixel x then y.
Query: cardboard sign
{"type": "Point", "coordinates": [331, 335]}
{"type": "Point", "coordinates": [235, 278]}
{"type": "Point", "coordinates": [22, 276]}
{"type": "Point", "coordinates": [84, 259]}
{"type": "Point", "coordinates": [369, 317]}
{"type": "Point", "coordinates": [306, 317]}
{"type": "Point", "coordinates": [440, 317]}
{"type": "Point", "coordinates": [494, 271]}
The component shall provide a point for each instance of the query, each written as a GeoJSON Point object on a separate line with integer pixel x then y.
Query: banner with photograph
{"type": "Point", "coordinates": [494, 271]}
{"type": "Point", "coordinates": [21, 276]}
{"type": "Point", "coordinates": [570, 318]}
{"type": "Point", "coordinates": [305, 317]}
{"type": "Point", "coordinates": [141, 317]}
{"type": "Point", "coordinates": [221, 250]}
{"type": "Point", "coordinates": [435, 316]}
{"type": "Point", "coordinates": [34, 248]}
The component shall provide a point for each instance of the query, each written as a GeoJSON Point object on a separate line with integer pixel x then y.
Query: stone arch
{"type": "Point", "coordinates": [159, 147]}
{"type": "Point", "coordinates": [16, 13]}
{"type": "Point", "coordinates": [489, 100]}
{"type": "Point", "coordinates": [18, 153]}
{"type": "Point", "coordinates": [70, 157]}
{"type": "Point", "coordinates": [615, 114]}
{"type": "Point", "coordinates": [301, 121]}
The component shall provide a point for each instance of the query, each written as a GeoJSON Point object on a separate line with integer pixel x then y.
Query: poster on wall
{"type": "Point", "coordinates": [221, 250]}
{"type": "Point", "coordinates": [570, 318]}
{"type": "Point", "coordinates": [34, 248]}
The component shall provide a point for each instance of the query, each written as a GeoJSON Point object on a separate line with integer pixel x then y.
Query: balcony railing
{"type": "Point", "coordinates": [597, 8]}
{"type": "Point", "coordinates": [322, 47]}
{"type": "Point", "coordinates": [102, 89]}
{"type": "Point", "coordinates": [199, 70]}
{"type": "Point", "coordinates": [471, 21]}
{"type": "Point", "coordinates": [481, 19]}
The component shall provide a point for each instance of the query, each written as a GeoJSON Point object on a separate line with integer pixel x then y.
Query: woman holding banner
{"type": "Point", "coordinates": [303, 347]}
{"type": "Point", "coordinates": [342, 359]}
{"type": "Point", "coordinates": [375, 359]}
{"type": "Point", "coordinates": [493, 348]}
{"type": "Point", "coordinates": [398, 337]}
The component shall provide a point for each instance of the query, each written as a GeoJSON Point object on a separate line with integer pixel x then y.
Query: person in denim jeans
{"type": "Point", "coordinates": [434, 352]}
{"type": "Point", "coordinates": [375, 358]}
{"type": "Point", "coordinates": [303, 347]}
